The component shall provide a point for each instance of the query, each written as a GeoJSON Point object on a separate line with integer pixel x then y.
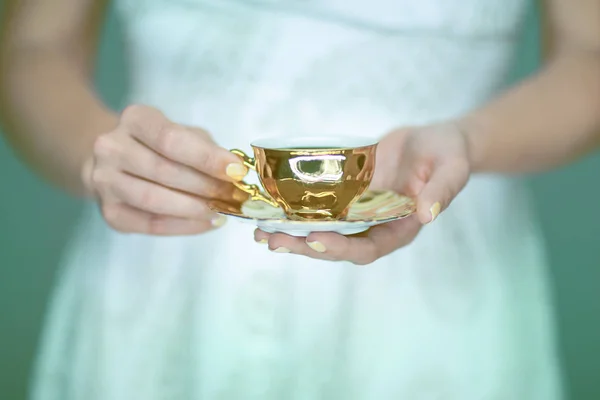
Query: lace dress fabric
{"type": "Point", "coordinates": [463, 313]}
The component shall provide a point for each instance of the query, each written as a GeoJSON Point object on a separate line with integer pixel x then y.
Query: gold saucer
{"type": "Point", "coordinates": [373, 208]}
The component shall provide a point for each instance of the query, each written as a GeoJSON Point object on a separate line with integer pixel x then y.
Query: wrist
{"type": "Point", "coordinates": [86, 177]}
{"type": "Point", "coordinates": [474, 133]}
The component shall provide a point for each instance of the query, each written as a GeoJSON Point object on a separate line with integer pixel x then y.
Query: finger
{"type": "Point", "coordinates": [183, 145]}
{"type": "Point", "coordinates": [364, 249]}
{"type": "Point", "coordinates": [145, 163]}
{"type": "Point", "coordinates": [127, 219]}
{"type": "Point", "coordinates": [261, 236]}
{"type": "Point", "coordinates": [446, 181]}
{"type": "Point", "coordinates": [282, 243]}
{"type": "Point", "coordinates": [149, 196]}
{"type": "Point", "coordinates": [358, 250]}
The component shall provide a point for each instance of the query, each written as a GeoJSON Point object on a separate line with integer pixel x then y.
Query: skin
{"type": "Point", "coordinates": [151, 175]}
{"type": "Point", "coordinates": [546, 121]}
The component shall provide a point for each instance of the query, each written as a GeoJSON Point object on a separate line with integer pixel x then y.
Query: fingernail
{"type": "Point", "coordinates": [281, 250]}
{"type": "Point", "coordinates": [317, 246]}
{"type": "Point", "coordinates": [435, 211]}
{"type": "Point", "coordinates": [218, 221]}
{"type": "Point", "coordinates": [236, 171]}
{"type": "Point", "coordinates": [263, 241]}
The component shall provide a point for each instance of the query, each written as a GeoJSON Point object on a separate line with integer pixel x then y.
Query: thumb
{"type": "Point", "coordinates": [446, 181]}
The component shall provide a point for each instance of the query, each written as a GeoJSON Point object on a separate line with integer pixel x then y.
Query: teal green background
{"type": "Point", "coordinates": [36, 220]}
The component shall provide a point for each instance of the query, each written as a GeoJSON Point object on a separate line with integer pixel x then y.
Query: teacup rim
{"type": "Point", "coordinates": [333, 142]}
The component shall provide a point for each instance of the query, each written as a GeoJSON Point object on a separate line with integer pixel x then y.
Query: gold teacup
{"type": "Point", "coordinates": [314, 178]}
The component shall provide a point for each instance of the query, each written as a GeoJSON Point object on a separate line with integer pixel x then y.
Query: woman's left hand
{"type": "Point", "coordinates": [429, 163]}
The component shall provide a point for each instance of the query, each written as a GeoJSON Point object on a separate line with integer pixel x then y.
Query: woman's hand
{"type": "Point", "coordinates": [153, 176]}
{"type": "Point", "coordinates": [430, 164]}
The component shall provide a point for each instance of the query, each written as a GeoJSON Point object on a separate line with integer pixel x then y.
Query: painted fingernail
{"type": "Point", "coordinates": [435, 211]}
{"type": "Point", "coordinates": [236, 171]}
{"type": "Point", "coordinates": [218, 221]}
{"type": "Point", "coordinates": [317, 246]}
{"type": "Point", "coordinates": [263, 241]}
{"type": "Point", "coordinates": [281, 250]}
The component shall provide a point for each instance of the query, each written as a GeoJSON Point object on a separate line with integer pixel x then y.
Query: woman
{"type": "Point", "coordinates": [461, 313]}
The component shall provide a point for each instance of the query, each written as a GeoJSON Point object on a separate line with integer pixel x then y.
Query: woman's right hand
{"type": "Point", "coordinates": [153, 176]}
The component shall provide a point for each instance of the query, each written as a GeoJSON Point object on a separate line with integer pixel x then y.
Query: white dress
{"type": "Point", "coordinates": [463, 313]}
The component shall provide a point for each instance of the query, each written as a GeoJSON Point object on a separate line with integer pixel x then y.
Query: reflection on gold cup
{"type": "Point", "coordinates": [311, 178]}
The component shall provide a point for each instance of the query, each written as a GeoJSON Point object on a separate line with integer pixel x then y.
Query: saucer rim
{"type": "Point", "coordinates": [285, 220]}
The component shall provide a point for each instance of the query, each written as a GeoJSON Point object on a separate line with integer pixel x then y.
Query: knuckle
{"type": "Point", "coordinates": [112, 216]}
{"type": "Point", "coordinates": [360, 262]}
{"type": "Point", "coordinates": [155, 225]}
{"type": "Point", "coordinates": [406, 241]}
{"type": "Point", "coordinates": [368, 261]}
{"type": "Point", "coordinates": [100, 178]}
{"type": "Point", "coordinates": [105, 145]}
{"type": "Point", "coordinates": [148, 199]}
{"type": "Point", "coordinates": [368, 256]}
{"type": "Point", "coordinates": [133, 112]}
{"type": "Point", "coordinates": [205, 159]}
{"type": "Point", "coordinates": [462, 164]}
{"type": "Point", "coordinates": [167, 140]}
{"type": "Point", "coordinates": [202, 133]}
{"type": "Point", "coordinates": [140, 119]}
{"type": "Point", "coordinates": [164, 171]}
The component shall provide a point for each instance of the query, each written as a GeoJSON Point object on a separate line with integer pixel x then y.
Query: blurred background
{"type": "Point", "coordinates": [36, 221]}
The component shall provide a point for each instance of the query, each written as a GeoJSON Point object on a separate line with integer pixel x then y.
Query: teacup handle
{"type": "Point", "coordinates": [253, 190]}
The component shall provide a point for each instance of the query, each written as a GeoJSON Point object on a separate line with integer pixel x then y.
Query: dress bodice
{"type": "Point", "coordinates": [245, 68]}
